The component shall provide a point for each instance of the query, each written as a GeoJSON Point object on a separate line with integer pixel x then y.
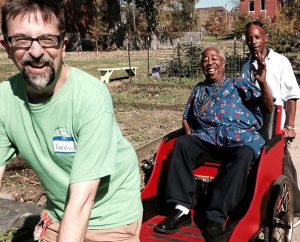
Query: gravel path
{"type": "Point", "coordinates": [295, 153]}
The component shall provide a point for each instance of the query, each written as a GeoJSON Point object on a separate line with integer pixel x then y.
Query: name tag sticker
{"type": "Point", "coordinates": [63, 145]}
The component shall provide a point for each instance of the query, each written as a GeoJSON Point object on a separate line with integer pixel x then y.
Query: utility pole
{"type": "Point", "coordinates": [133, 15]}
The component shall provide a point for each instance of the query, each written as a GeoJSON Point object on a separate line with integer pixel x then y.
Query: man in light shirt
{"type": "Point", "coordinates": [284, 88]}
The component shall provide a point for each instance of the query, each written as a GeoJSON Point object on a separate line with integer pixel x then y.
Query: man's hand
{"type": "Point", "coordinates": [77, 213]}
{"type": "Point", "coordinates": [291, 107]}
{"type": "Point", "coordinates": [186, 126]}
{"type": "Point", "coordinates": [260, 75]}
{"type": "Point", "coordinates": [290, 134]}
{"type": "Point", "coordinates": [260, 72]}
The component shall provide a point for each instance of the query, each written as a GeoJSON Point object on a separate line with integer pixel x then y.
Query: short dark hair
{"type": "Point", "coordinates": [255, 22]}
{"type": "Point", "coordinates": [13, 8]}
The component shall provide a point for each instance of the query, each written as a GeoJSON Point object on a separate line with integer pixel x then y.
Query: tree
{"type": "Point", "coordinates": [100, 26]}
{"type": "Point", "coordinates": [239, 23]}
{"type": "Point", "coordinates": [216, 24]}
{"type": "Point", "coordinates": [110, 22]}
{"type": "Point", "coordinates": [78, 19]}
{"type": "Point", "coordinates": [187, 17]}
{"type": "Point", "coordinates": [149, 13]}
{"type": "Point", "coordinates": [165, 17]}
{"type": "Point", "coordinates": [284, 31]}
{"type": "Point", "coordinates": [176, 14]}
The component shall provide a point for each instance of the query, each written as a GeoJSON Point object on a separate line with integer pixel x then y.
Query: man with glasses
{"type": "Point", "coordinates": [61, 120]}
{"type": "Point", "coordinates": [284, 88]}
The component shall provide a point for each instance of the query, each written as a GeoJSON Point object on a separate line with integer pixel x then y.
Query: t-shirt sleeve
{"type": "Point", "coordinates": [289, 85]}
{"type": "Point", "coordinates": [7, 150]}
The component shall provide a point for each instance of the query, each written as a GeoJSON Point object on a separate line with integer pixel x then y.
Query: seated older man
{"type": "Point", "coordinates": [221, 121]}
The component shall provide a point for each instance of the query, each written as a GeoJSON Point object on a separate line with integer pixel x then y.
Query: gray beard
{"type": "Point", "coordinates": [42, 80]}
{"type": "Point", "coordinates": [39, 81]}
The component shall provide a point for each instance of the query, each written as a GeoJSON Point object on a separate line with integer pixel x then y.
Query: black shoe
{"type": "Point", "coordinates": [172, 223]}
{"type": "Point", "coordinates": [214, 231]}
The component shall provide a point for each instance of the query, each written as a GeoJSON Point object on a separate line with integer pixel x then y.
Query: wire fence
{"type": "Point", "coordinates": [185, 60]}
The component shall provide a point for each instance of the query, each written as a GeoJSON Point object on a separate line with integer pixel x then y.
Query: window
{"type": "Point", "coordinates": [251, 5]}
{"type": "Point", "coordinates": [263, 5]}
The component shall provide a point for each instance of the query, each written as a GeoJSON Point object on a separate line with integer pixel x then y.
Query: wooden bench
{"type": "Point", "coordinates": [105, 73]}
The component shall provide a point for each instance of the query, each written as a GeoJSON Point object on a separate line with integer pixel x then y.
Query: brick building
{"type": "Point", "coordinates": [262, 9]}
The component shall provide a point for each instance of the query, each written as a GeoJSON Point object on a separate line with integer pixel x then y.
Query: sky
{"type": "Point", "coordinates": [215, 3]}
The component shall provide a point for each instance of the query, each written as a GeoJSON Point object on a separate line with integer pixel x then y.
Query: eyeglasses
{"type": "Point", "coordinates": [24, 41]}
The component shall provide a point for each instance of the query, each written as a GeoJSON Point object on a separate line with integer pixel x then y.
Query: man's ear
{"type": "Point", "coordinates": [64, 45]}
{"type": "Point", "coordinates": [6, 47]}
{"type": "Point", "coordinates": [4, 44]}
{"type": "Point", "coordinates": [65, 42]}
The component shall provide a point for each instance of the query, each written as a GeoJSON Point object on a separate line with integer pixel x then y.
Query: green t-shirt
{"type": "Point", "coordinates": [73, 137]}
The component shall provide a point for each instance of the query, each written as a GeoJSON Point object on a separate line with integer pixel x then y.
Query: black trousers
{"type": "Point", "coordinates": [191, 152]}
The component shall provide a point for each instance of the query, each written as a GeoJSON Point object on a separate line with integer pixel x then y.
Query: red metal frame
{"type": "Point", "coordinates": [162, 153]}
{"type": "Point", "coordinates": [278, 129]}
{"type": "Point", "coordinates": [268, 170]}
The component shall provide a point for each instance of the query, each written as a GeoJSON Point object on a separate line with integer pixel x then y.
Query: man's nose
{"type": "Point", "coordinates": [36, 50]}
{"type": "Point", "coordinates": [252, 41]}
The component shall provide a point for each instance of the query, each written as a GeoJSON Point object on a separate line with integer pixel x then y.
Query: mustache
{"type": "Point", "coordinates": [43, 60]}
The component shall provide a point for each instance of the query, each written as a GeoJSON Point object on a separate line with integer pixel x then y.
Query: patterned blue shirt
{"type": "Point", "coordinates": [226, 113]}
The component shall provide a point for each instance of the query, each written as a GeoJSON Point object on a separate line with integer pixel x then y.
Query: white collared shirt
{"type": "Point", "coordinates": [281, 79]}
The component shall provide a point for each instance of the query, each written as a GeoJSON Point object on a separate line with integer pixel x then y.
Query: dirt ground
{"type": "Point", "coordinates": [20, 183]}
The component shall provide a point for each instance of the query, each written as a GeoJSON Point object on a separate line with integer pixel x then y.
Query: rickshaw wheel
{"type": "Point", "coordinates": [280, 212]}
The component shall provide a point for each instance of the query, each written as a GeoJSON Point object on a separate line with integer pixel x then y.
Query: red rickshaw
{"type": "Point", "coordinates": [265, 214]}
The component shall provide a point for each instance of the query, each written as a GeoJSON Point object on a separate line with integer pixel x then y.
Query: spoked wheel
{"type": "Point", "coordinates": [281, 210]}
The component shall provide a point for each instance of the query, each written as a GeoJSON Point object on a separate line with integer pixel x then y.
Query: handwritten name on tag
{"type": "Point", "coordinates": [63, 145]}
